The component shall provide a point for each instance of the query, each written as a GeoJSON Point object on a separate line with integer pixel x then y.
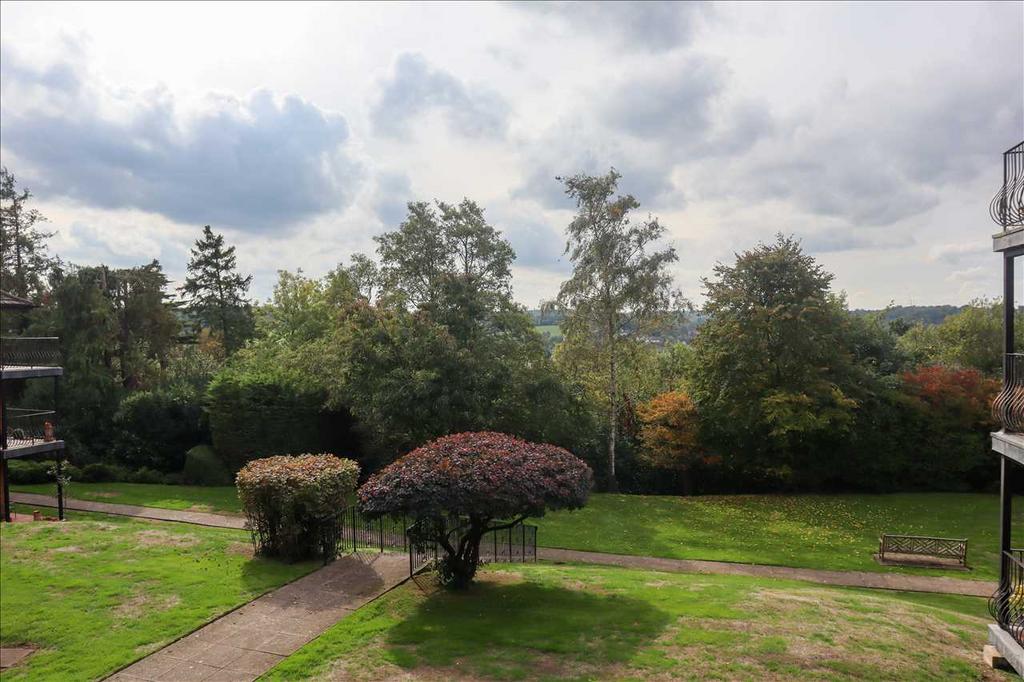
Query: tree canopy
{"type": "Point", "coordinates": [620, 286]}
{"type": "Point", "coordinates": [216, 293]}
{"type": "Point", "coordinates": [461, 486]}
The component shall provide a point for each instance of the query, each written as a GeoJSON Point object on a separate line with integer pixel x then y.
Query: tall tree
{"type": "Point", "coordinates": [448, 261]}
{"type": "Point", "coordinates": [147, 325]}
{"type": "Point", "coordinates": [364, 274]}
{"type": "Point", "coordinates": [24, 263]}
{"type": "Point", "coordinates": [775, 367]}
{"type": "Point", "coordinates": [216, 293]}
{"type": "Point", "coordinates": [620, 287]}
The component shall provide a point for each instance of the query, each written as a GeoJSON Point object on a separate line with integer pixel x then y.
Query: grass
{"type": "Point", "coordinates": [98, 592]}
{"type": "Point", "coordinates": [562, 623]}
{"type": "Point", "coordinates": [222, 499]}
{"type": "Point", "coordinates": [553, 329]}
{"type": "Point", "coordinates": [837, 532]}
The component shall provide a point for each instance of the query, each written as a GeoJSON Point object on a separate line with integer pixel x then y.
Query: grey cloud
{"type": "Point", "coordinates": [392, 195]}
{"type": "Point", "coordinates": [853, 240]}
{"type": "Point", "coordinates": [257, 164]}
{"type": "Point", "coordinates": [684, 107]}
{"type": "Point", "coordinates": [647, 26]}
{"type": "Point", "coordinates": [883, 155]}
{"type": "Point", "coordinates": [567, 151]}
{"type": "Point", "coordinates": [669, 104]}
{"type": "Point", "coordinates": [416, 87]}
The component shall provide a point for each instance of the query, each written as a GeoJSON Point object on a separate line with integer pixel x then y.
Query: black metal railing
{"type": "Point", "coordinates": [1007, 207]}
{"type": "Point", "coordinates": [1008, 407]}
{"type": "Point", "coordinates": [1007, 604]}
{"type": "Point", "coordinates": [29, 351]}
{"type": "Point", "coordinates": [26, 427]}
{"type": "Point", "coordinates": [515, 544]}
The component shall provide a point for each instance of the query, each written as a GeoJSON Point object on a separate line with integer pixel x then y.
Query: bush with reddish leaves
{"type": "Point", "coordinates": [294, 503]}
{"type": "Point", "coordinates": [461, 486]}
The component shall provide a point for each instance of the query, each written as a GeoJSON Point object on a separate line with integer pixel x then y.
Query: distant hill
{"type": "Point", "coordinates": [548, 323]}
{"type": "Point", "coordinates": [912, 314]}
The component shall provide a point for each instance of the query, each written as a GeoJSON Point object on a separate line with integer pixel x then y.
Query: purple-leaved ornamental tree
{"type": "Point", "coordinates": [459, 487]}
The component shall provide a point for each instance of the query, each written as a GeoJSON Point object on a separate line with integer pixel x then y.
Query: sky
{"type": "Point", "coordinates": [873, 132]}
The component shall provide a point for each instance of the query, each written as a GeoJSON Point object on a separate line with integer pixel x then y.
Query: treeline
{"type": "Point", "coordinates": [780, 388]}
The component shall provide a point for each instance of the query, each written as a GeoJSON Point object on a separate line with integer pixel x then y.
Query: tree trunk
{"type": "Point", "coordinates": [686, 478]}
{"type": "Point", "coordinates": [612, 483]}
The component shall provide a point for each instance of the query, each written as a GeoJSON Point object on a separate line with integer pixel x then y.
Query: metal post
{"type": "Point", "coordinates": [60, 490]}
{"type": "Point", "coordinates": [1006, 510]}
{"type": "Point", "coordinates": [4, 473]}
{"type": "Point", "coordinates": [1008, 307]}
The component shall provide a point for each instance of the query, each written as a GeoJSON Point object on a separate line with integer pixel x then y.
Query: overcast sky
{"type": "Point", "coordinates": [871, 131]}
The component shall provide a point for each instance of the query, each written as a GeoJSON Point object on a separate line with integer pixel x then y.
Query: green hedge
{"type": "Point", "coordinates": [255, 416]}
{"type": "Point", "coordinates": [204, 467]}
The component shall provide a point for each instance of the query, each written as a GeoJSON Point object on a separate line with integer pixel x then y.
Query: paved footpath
{"type": "Point", "coordinates": [885, 581]}
{"type": "Point", "coordinates": [249, 641]}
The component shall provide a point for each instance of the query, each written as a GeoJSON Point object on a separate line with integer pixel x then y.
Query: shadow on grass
{"type": "Point", "coordinates": [511, 631]}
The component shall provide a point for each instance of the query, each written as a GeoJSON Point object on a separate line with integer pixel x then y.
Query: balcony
{"type": "Point", "coordinates": [1007, 207]}
{"type": "Point", "coordinates": [25, 357]}
{"type": "Point", "coordinates": [30, 432]}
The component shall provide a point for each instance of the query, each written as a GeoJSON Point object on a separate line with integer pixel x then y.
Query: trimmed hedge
{"type": "Point", "coordinates": [255, 416]}
{"type": "Point", "coordinates": [31, 472]}
{"type": "Point", "coordinates": [155, 428]}
{"type": "Point", "coordinates": [204, 467]}
{"type": "Point", "coordinates": [294, 504]}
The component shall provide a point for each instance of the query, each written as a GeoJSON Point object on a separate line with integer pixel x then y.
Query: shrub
{"type": "Point", "coordinates": [24, 472]}
{"type": "Point", "coordinates": [204, 467]}
{"type": "Point", "coordinates": [145, 475]}
{"type": "Point", "coordinates": [102, 472]}
{"type": "Point", "coordinates": [256, 416]}
{"type": "Point", "coordinates": [156, 428]}
{"type": "Point", "coordinates": [294, 504]}
{"type": "Point", "coordinates": [475, 483]}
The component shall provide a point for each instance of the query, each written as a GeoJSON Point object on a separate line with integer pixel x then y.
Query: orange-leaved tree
{"type": "Point", "coordinates": [670, 435]}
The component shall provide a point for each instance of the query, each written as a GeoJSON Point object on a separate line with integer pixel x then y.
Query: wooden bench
{"type": "Point", "coordinates": [942, 551]}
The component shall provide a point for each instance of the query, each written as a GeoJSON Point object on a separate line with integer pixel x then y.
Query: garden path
{"type": "Point", "coordinates": [242, 645]}
{"type": "Point", "coordinates": [886, 581]}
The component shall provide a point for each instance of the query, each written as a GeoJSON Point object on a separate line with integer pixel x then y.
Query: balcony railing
{"type": "Point", "coordinates": [1008, 407]}
{"type": "Point", "coordinates": [1007, 207]}
{"type": "Point", "coordinates": [28, 427]}
{"type": "Point", "coordinates": [29, 351]}
{"type": "Point", "coordinates": [1007, 604]}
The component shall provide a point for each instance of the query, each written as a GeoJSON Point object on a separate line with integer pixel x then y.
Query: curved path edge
{"type": "Point", "coordinates": [867, 579]}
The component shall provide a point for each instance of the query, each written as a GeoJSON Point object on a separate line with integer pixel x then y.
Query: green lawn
{"type": "Point", "coordinates": [813, 531]}
{"type": "Point", "coordinates": [809, 531]}
{"type": "Point", "coordinates": [562, 623]}
{"type": "Point", "coordinates": [223, 499]}
{"type": "Point", "coordinates": [553, 329]}
{"type": "Point", "coordinates": [98, 592]}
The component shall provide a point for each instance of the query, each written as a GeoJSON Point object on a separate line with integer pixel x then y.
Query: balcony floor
{"type": "Point", "coordinates": [1012, 239]}
{"type": "Point", "coordinates": [1009, 445]}
{"type": "Point", "coordinates": [24, 447]}
{"type": "Point", "coordinates": [25, 372]}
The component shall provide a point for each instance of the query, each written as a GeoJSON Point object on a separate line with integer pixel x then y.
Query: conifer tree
{"type": "Point", "coordinates": [216, 293]}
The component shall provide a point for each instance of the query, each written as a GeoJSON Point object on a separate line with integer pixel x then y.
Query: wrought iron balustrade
{"type": "Point", "coordinates": [1007, 604]}
{"type": "Point", "coordinates": [1008, 407]}
{"type": "Point", "coordinates": [29, 351]}
{"type": "Point", "coordinates": [1007, 207]}
{"type": "Point", "coordinates": [27, 427]}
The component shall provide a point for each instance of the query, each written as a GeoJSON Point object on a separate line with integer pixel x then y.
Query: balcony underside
{"type": "Point", "coordinates": [1010, 240]}
{"type": "Point", "coordinates": [17, 372]}
{"type": "Point", "coordinates": [1007, 647]}
{"type": "Point", "coordinates": [30, 446]}
{"type": "Point", "coordinates": [1010, 445]}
